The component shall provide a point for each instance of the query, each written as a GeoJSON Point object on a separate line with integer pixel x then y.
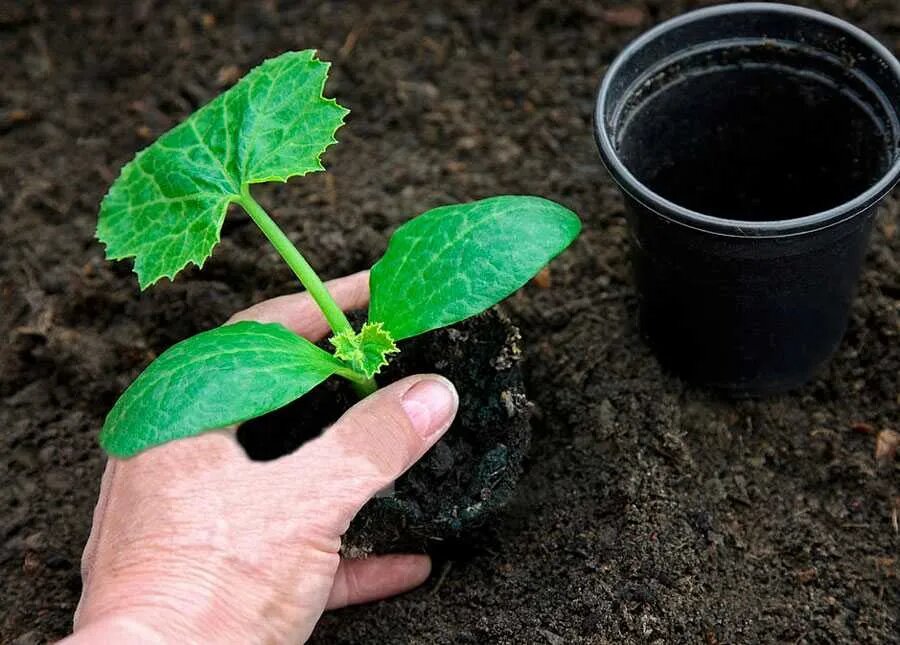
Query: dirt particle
{"type": "Point", "coordinates": [468, 143]}
{"type": "Point", "coordinates": [885, 565]}
{"type": "Point", "coordinates": [805, 576]}
{"type": "Point", "coordinates": [454, 167]}
{"type": "Point", "coordinates": [17, 116]}
{"type": "Point", "coordinates": [35, 541]}
{"type": "Point", "coordinates": [419, 93]}
{"type": "Point", "coordinates": [627, 16]}
{"type": "Point", "coordinates": [543, 280]}
{"type": "Point", "coordinates": [28, 638]}
{"type": "Point", "coordinates": [30, 563]}
{"type": "Point", "coordinates": [228, 75]}
{"type": "Point", "coordinates": [886, 447]}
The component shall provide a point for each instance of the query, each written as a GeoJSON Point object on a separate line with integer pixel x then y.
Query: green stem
{"type": "Point", "coordinates": [308, 278]}
{"type": "Point", "coordinates": [361, 384]}
{"type": "Point", "coordinates": [301, 268]}
{"type": "Point", "coordinates": [365, 388]}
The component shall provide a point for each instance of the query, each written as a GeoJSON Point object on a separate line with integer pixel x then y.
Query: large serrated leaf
{"type": "Point", "coordinates": [215, 379]}
{"type": "Point", "coordinates": [167, 207]}
{"type": "Point", "coordinates": [454, 262]}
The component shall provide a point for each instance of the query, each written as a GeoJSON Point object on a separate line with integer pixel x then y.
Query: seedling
{"type": "Point", "coordinates": [166, 211]}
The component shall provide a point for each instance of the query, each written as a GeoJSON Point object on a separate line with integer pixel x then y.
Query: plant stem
{"type": "Point", "coordinates": [308, 278]}
{"type": "Point", "coordinates": [361, 384]}
{"type": "Point", "coordinates": [301, 268]}
{"type": "Point", "coordinates": [365, 388]}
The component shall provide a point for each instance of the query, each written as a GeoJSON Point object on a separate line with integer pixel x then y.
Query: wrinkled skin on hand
{"type": "Point", "coordinates": [194, 543]}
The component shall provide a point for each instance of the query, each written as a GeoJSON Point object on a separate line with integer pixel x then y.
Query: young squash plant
{"type": "Point", "coordinates": [166, 211]}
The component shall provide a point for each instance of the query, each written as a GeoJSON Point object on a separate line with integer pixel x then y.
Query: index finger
{"type": "Point", "coordinates": [299, 312]}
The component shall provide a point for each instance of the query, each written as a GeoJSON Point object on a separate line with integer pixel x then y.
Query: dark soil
{"type": "Point", "coordinates": [468, 476]}
{"type": "Point", "coordinates": [649, 512]}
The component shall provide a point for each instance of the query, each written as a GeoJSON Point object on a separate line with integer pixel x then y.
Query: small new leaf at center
{"type": "Point", "coordinates": [366, 352]}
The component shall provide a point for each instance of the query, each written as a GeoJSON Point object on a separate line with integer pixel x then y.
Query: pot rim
{"type": "Point", "coordinates": [668, 209]}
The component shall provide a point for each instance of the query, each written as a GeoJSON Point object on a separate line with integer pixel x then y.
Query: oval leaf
{"type": "Point", "coordinates": [454, 262]}
{"type": "Point", "coordinates": [167, 207]}
{"type": "Point", "coordinates": [215, 379]}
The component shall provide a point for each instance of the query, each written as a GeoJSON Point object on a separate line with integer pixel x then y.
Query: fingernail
{"type": "Point", "coordinates": [430, 405]}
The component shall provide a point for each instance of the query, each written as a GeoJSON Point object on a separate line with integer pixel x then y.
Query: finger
{"type": "Point", "coordinates": [299, 312]}
{"type": "Point", "coordinates": [371, 445]}
{"type": "Point", "coordinates": [359, 581]}
{"type": "Point", "coordinates": [89, 555]}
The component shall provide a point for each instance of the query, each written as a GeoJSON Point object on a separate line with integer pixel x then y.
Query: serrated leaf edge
{"type": "Point", "coordinates": [230, 199]}
{"type": "Point", "coordinates": [353, 338]}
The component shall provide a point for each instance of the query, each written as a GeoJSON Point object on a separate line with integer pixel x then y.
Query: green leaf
{"type": "Point", "coordinates": [215, 379]}
{"type": "Point", "coordinates": [167, 207]}
{"type": "Point", "coordinates": [367, 351]}
{"type": "Point", "coordinates": [454, 262]}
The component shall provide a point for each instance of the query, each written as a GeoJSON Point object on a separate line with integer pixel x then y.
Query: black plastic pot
{"type": "Point", "coordinates": [753, 143]}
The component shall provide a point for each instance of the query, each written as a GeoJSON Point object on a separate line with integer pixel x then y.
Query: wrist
{"type": "Point", "coordinates": [192, 606]}
{"type": "Point", "coordinates": [159, 601]}
{"type": "Point", "coordinates": [116, 629]}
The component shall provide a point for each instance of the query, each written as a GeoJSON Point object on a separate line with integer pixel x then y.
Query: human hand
{"type": "Point", "coordinates": [194, 543]}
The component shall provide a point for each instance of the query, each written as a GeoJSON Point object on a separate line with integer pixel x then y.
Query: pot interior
{"type": "Point", "coordinates": [752, 119]}
{"type": "Point", "coordinates": [756, 130]}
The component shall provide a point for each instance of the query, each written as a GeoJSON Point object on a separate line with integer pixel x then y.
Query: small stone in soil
{"type": "Point", "coordinates": [805, 576]}
{"type": "Point", "coordinates": [886, 446]}
{"type": "Point", "coordinates": [624, 16]}
{"type": "Point", "coordinates": [542, 279]}
{"type": "Point", "coordinates": [862, 427]}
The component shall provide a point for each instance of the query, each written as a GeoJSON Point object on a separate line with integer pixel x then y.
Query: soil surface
{"type": "Point", "coordinates": [649, 512]}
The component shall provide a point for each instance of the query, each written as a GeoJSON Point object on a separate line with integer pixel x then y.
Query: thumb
{"type": "Point", "coordinates": [374, 443]}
